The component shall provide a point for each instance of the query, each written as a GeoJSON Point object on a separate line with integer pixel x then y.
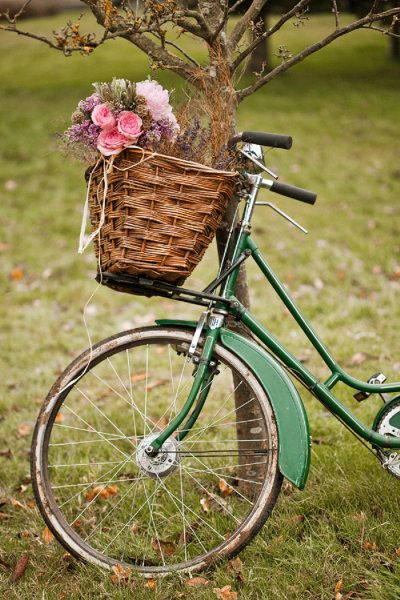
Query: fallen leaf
{"type": "Point", "coordinates": [4, 247]}
{"type": "Point", "coordinates": [24, 430]}
{"type": "Point", "coordinates": [371, 546]}
{"type": "Point", "coordinates": [225, 593]}
{"type": "Point", "coordinates": [135, 529]}
{"type": "Point", "coordinates": [6, 453]}
{"type": "Point", "coordinates": [225, 488]}
{"type": "Point", "coordinates": [236, 566]}
{"type": "Point", "coordinates": [338, 587]}
{"type": "Point", "coordinates": [151, 583]}
{"type": "Point", "coordinates": [59, 418]}
{"type": "Point", "coordinates": [121, 573]}
{"type": "Point", "coordinates": [47, 536]}
{"type": "Point", "coordinates": [205, 505]}
{"type": "Point", "coordinates": [185, 537]}
{"type": "Point", "coordinates": [397, 552]}
{"type": "Point", "coordinates": [100, 491]}
{"type": "Point", "coordinates": [197, 581]}
{"type": "Point", "coordinates": [358, 358]}
{"type": "Point", "coordinates": [164, 548]}
{"type": "Point", "coordinates": [20, 568]}
{"type": "Point", "coordinates": [160, 422]}
{"type": "Point", "coordinates": [156, 383]}
{"type": "Point", "coordinates": [10, 185]}
{"type": "Point", "coordinates": [395, 274]}
{"type": "Point", "coordinates": [16, 274]}
{"type": "Point", "coordinates": [17, 503]}
{"type": "Point", "coordinates": [138, 377]}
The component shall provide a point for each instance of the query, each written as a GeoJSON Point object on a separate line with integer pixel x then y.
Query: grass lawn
{"type": "Point", "coordinates": [342, 108]}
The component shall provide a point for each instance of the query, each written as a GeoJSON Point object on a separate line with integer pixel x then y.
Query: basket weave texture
{"type": "Point", "coordinates": [161, 213]}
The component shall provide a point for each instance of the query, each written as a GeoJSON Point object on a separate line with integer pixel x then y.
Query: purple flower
{"type": "Point", "coordinates": [89, 103]}
{"type": "Point", "coordinates": [85, 132]}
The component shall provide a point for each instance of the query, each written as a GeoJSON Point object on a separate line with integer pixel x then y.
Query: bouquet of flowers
{"type": "Point", "coordinates": [164, 172]}
{"type": "Point", "coordinates": [118, 115]}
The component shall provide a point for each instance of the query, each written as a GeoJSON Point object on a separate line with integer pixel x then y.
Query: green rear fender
{"type": "Point", "coordinates": [291, 418]}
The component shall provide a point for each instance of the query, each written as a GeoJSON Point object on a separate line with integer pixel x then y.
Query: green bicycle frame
{"type": "Point", "coordinates": [321, 390]}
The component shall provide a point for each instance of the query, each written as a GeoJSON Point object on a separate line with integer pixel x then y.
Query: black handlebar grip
{"type": "Point", "coordinates": [293, 192]}
{"type": "Point", "coordinates": [274, 140]}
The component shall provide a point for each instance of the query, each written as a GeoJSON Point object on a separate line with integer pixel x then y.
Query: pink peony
{"type": "Point", "coordinates": [103, 116]}
{"type": "Point", "coordinates": [111, 141]}
{"type": "Point", "coordinates": [130, 125]}
{"type": "Point", "coordinates": [157, 99]}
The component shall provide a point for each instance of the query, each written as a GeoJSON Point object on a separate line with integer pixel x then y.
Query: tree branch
{"type": "Point", "coordinates": [235, 6]}
{"type": "Point", "coordinates": [250, 15]}
{"type": "Point", "coordinates": [164, 59]}
{"type": "Point", "coordinates": [291, 13]}
{"type": "Point", "coordinates": [181, 50]}
{"type": "Point", "coordinates": [284, 66]}
{"type": "Point", "coordinates": [335, 11]}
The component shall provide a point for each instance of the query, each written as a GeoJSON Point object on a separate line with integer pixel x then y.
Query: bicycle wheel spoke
{"type": "Point", "coordinates": [164, 511]}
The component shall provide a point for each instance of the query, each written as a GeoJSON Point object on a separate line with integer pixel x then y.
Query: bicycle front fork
{"type": "Point", "coordinates": [206, 367]}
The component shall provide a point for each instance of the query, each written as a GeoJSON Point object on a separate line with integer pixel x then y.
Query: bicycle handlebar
{"type": "Point", "coordinates": [273, 140]}
{"type": "Point", "coordinates": [291, 191]}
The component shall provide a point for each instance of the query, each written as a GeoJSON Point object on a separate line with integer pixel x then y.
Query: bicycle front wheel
{"type": "Point", "coordinates": [199, 500]}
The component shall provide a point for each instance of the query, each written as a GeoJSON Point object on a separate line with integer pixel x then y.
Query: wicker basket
{"type": "Point", "coordinates": [161, 213]}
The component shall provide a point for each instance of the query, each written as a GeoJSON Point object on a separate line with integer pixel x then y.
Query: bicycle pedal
{"type": "Point", "coordinates": [376, 379]}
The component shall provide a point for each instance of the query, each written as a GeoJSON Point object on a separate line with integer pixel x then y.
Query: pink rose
{"type": "Point", "coordinates": [130, 125]}
{"type": "Point", "coordinates": [103, 116]}
{"type": "Point", "coordinates": [111, 141]}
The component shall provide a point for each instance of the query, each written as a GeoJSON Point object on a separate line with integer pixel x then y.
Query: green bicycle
{"type": "Point", "coordinates": [163, 449]}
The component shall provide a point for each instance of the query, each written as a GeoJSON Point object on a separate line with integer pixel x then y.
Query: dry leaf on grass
{"type": "Point", "coordinates": [24, 430]}
{"type": "Point", "coordinates": [100, 491]}
{"type": "Point", "coordinates": [197, 581]}
{"type": "Point", "coordinates": [163, 548]}
{"type": "Point", "coordinates": [47, 536]}
{"type": "Point", "coordinates": [236, 565]}
{"type": "Point", "coordinates": [225, 488]}
{"type": "Point", "coordinates": [151, 583]}
{"type": "Point", "coordinates": [20, 568]}
{"type": "Point", "coordinates": [6, 453]}
{"type": "Point", "coordinates": [120, 574]}
{"type": "Point", "coordinates": [18, 504]}
{"type": "Point", "coordinates": [338, 587]}
{"type": "Point", "coordinates": [138, 377]}
{"type": "Point", "coordinates": [225, 593]}
{"type": "Point", "coordinates": [59, 418]}
{"type": "Point", "coordinates": [160, 422]}
{"type": "Point", "coordinates": [16, 274]}
{"type": "Point", "coordinates": [358, 358]}
{"type": "Point", "coordinates": [371, 546]}
{"type": "Point", "coordinates": [205, 504]}
{"type": "Point", "coordinates": [156, 383]}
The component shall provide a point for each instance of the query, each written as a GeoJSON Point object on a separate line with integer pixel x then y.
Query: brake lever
{"type": "Point", "coordinates": [284, 215]}
{"type": "Point", "coordinates": [259, 164]}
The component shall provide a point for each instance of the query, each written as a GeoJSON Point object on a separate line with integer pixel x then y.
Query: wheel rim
{"type": "Point", "coordinates": [103, 503]}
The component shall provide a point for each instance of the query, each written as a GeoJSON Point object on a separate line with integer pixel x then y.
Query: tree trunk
{"type": "Point", "coordinates": [247, 412]}
{"type": "Point", "coordinates": [395, 42]}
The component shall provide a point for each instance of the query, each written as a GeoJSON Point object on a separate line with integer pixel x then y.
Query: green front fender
{"type": "Point", "coordinates": [291, 418]}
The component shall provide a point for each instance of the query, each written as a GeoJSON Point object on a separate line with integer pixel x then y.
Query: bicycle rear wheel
{"type": "Point", "coordinates": [200, 500]}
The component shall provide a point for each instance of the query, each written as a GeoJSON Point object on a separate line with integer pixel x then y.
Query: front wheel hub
{"type": "Point", "coordinates": [166, 460]}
